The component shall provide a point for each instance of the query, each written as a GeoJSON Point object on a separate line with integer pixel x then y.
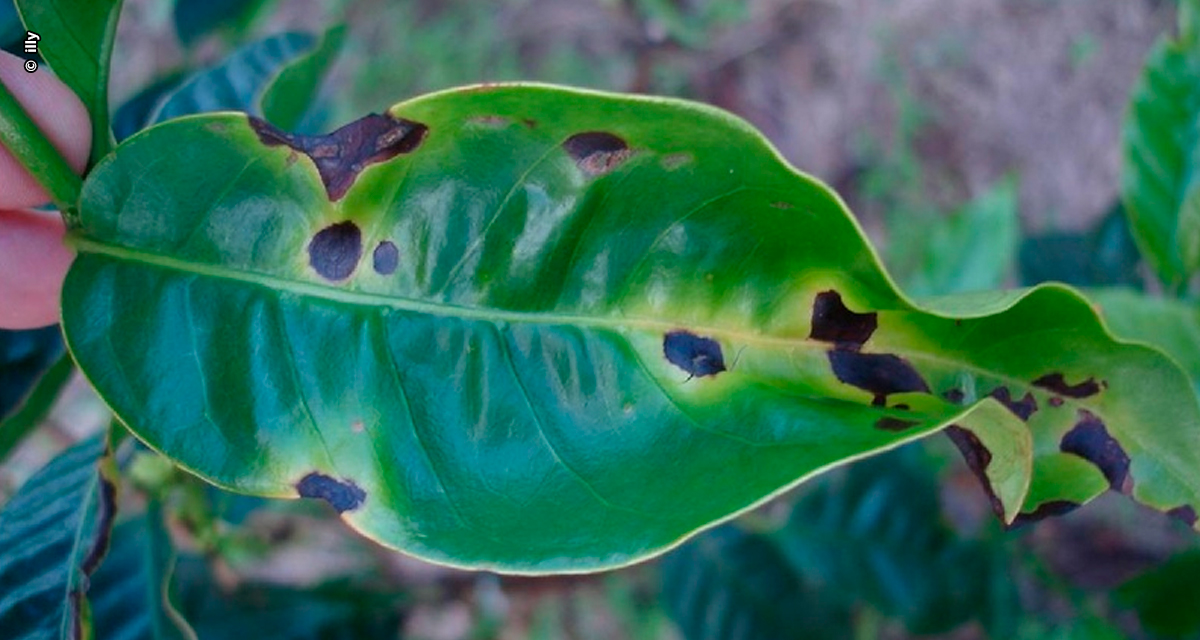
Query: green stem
{"type": "Point", "coordinates": [29, 146]}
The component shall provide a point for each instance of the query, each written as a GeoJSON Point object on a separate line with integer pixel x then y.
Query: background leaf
{"type": "Point", "coordinates": [237, 82]}
{"type": "Point", "coordinates": [729, 584]}
{"type": "Point", "coordinates": [876, 535]}
{"type": "Point", "coordinates": [53, 534]}
{"type": "Point", "coordinates": [974, 249]}
{"type": "Point", "coordinates": [24, 357]}
{"type": "Point", "coordinates": [35, 407]}
{"type": "Point", "coordinates": [195, 19]}
{"type": "Point", "coordinates": [289, 97]}
{"type": "Point", "coordinates": [130, 592]}
{"type": "Point", "coordinates": [1105, 255]}
{"type": "Point", "coordinates": [1159, 182]}
{"type": "Point", "coordinates": [1165, 597]}
{"type": "Point", "coordinates": [77, 40]}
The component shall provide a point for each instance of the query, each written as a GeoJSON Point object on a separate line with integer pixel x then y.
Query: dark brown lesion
{"type": "Point", "coordinates": [1089, 439]}
{"type": "Point", "coordinates": [1057, 383]}
{"type": "Point", "coordinates": [597, 152]}
{"type": "Point", "coordinates": [882, 374]}
{"type": "Point", "coordinates": [1023, 408]}
{"type": "Point", "coordinates": [343, 154]}
{"type": "Point", "coordinates": [1185, 514]}
{"type": "Point", "coordinates": [892, 423]}
{"type": "Point", "coordinates": [977, 457]}
{"type": "Point", "coordinates": [342, 495]}
{"type": "Point", "coordinates": [1045, 510]}
{"type": "Point", "coordinates": [833, 322]}
{"type": "Point", "coordinates": [386, 258]}
{"type": "Point", "coordinates": [334, 251]}
{"type": "Point", "coordinates": [697, 355]}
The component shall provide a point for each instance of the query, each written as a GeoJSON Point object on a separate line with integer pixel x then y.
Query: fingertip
{"type": "Point", "coordinates": [33, 263]}
{"type": "Point", "coordinates": [60, 115]}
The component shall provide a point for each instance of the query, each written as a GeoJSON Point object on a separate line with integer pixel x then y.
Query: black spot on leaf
{"type": "Point", "coordinates": [1043, 511]}
{"type": "Point", "coordinates": [977, 457]}
{"type": "Point", "coordinates": [342, 495]}
{"type": "Point", "coordinates": [879, 373]}
{"type": "Point", "coordinates": [335, 250]}
{"type": "Point", "coordinates": [386, 258]}
{"type": "Point", "coordinates": [954, 395]}
{"type": "Point", "coordinates": [1022, 408]}
{"type": "Point", "coordinates": [1056, 401]}
{"type": "Point", "coordinates": [694, 354]}
{"type": "Point", "coordinates": [833, 322]}
{"type": "Point", "coordinates": [1089, 439]}
{"type": "Point", "coordinates": [890, 423]}
{"type": "Point", "coordinates": [597, 152]}
{"type": "Point", "coordinates": [1057, 383]}
{"type": "Point", "coordinates": [1185, 514]}
{"type": "Point", "coordinates": [341, 155]}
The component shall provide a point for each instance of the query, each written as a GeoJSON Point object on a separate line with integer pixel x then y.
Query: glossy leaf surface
{"type": "Point", "coordinates": [537, 329]}
{"type": "Point", "coordinates": [53, 534]}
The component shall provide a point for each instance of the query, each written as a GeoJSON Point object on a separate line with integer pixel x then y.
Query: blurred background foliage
{"type": "Point", "coordinates": [977, 141]}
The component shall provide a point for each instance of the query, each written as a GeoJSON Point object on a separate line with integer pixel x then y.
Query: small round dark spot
{"type": "Point", "coordinates": [954, 395]}
{"type": "Point", "coordinates": [342, 495]}
{"type": "Point", "coordinates": [1056, 401]}
{"type": "Point", "coordinates": [386, 258]}
{"type": "Point", "coordinates": [335, 250]}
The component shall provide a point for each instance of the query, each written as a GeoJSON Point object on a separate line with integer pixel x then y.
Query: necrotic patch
{"type": "Point", "coordinates": [335, 250]}
{"type": "Point", "coordinates": [696, 355]}
{"type": "Point", "coordinates": [833, 322]}
{"type": "Point", "coordinates": [1022, 408]}
{"type": "Point", "coordinates": [891, 423]}
{"type": "Point", "coordinates": [386, 258]}
{"type": "Point", "coordinates": [1089, 439]}
{"type": "Point", "coordinates": [1185, 514]}
{"type": "Point", "coordinates": [1043, 511]}
{"type": "Point", "coordinates": [879, 373]}
{"type": "Point", "coordinates": [341, 155]}
{"type": "Point", "coordinates": [597, 152]}
{"type": "Point", "coordinates": [1058, 384]}
{"type": "Point", "coordinates": [342, 495]}
{"type": "Point", "coordinates": [978, 457]}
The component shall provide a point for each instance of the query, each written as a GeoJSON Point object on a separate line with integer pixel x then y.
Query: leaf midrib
{"type": "Point", "coordinates": [619, 324]}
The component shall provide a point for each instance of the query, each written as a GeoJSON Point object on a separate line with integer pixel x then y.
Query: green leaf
{"type": "Point", "coordinates": [1105, 255]}
{"type": "Point", "coordinates": [53, 534]}
{"type": "Point", "coordinates": [24, 357]}
{"type": "Point", "coordinates": [130, 592]}
{"type": "Point", "coordinates": [730, 584]}
{"type": "Point", "coordinates": [972, 250]}
{"type": "Point", "coordinates": [35, 407]}
{"type": "Point", "coordinates": [77, 40]}
{"type": "Point", "coordinates": [195, 19]}
{"type": "Point", "coordinates": [288, 97]}
{"type": "Point", "coordinates": [11, 30]}
{"type": "Point", "coordinates": [238, 82]}
{"type": "Point", "coordinates": [876, 534]}
{"type": "Point", "coordinates": [1159, 181]}
{"type": "Point", "coordinates": [1171, 325]}
{"type": "Point", "coordinates": [343, 609]}
{"type": "Point", "coordinates": [1165, 597]}
{"type": "Point", "coordinates": [534, 329]}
